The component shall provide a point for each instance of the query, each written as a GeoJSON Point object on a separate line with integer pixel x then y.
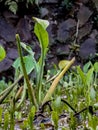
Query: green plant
{"type": "Point", "coordinates": [55, 119]}
{"type": "Point", "coordinates": [6, 120]}
{"type": "Point", "coordinates": [26, 79]}
{"type": "Point", "coordinates": [40, 31]}
{"type": "Point", "coordinates": [31, 117]}
{"type": "Point", "coordinates": [73, 122]}
{"type": "Point", "coordinates": [3, 85]}
{"type": "Point", "coordinates": [80, 87]}
{"type": "Point", "coordinates": [28, 123]}
{"type": "Point", "coordinates": [9, 89]}
{"type": "Point", "coordinates": [23, 69]}
{"type": "Point", "coordinates": [42, 35]}
{"type": "Point", "coordinates": [14, 5]}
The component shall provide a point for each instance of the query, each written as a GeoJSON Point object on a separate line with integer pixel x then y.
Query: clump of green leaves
{"type": "Point", "coordinates": [24, 65]}
{"type": "Point", "coordinates": [23, 69]}
{"type": "Point", "coordinates": [42, 35]}
{"type": "Point", "coordinates": [81, 85]}
{"type": "Point", "coordinates": [89, 80]}
{"type": "Point", "coordinates": [13, 5]}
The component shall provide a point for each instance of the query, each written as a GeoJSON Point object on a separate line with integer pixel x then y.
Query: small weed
{"type": "Point", "coordinates": [55, 119]}
{"type": "Point", "coordinates": [28, 123]}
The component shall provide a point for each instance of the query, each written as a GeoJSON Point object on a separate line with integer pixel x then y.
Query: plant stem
{"type": "Point", "coordinates": [12, 120]}
{"type": "Point", "coordinates": [30, 88]}
{"type": "Point", "coordinates": [40, 75]}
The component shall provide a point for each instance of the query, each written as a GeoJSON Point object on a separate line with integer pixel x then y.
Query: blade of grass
{"type": "Point", "coordinates": [7, 91]}
{"type": "Point", "coordinates": [23, 96]}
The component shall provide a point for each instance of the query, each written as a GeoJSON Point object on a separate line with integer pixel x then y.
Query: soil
{"type": "Point", "coordinates": [73, 31]}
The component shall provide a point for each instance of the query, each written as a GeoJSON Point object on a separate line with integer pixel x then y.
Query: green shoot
{"type": "Point", "coordinates": [30, 88]}
{"type": "Point", "coordinates": [42, 35]}
{"type": "Point", "coordinates": [55, 119]}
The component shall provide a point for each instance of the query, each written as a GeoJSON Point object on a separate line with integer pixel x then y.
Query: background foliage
{"type": "Point", "coordinates": [14, 4]}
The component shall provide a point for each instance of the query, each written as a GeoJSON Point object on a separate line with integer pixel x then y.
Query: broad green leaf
{"type": "Point", "coordinates": [30, 51]}
{"type": "Point", "coordinates": [41, 33]}
{"type": "Point", "coordinates": [82, 75]}
{"type": "Point", "coordinates": [89, 76]}
{"type": "Point", "coordinates": [16, 63]}
{"type": "Point", "coordinates": [28, 64]}
{"type": "Point", "coordinates": [43, 23]}
{"type": "Point", "coordinates": [42, 36]}
{"type": "Point", "coordinates": [96, 67]}
{"type": "Point", "coordinates": [2, 53]}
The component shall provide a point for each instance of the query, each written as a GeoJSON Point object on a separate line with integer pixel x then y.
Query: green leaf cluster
{"type": "Point", "coordinates": [13, 5]}
{"type": "Point", "coordinates": [26, 64]}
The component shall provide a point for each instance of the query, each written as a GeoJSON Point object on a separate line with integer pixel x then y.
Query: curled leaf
{"type": "Point", "coordinates": [43, 23]}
